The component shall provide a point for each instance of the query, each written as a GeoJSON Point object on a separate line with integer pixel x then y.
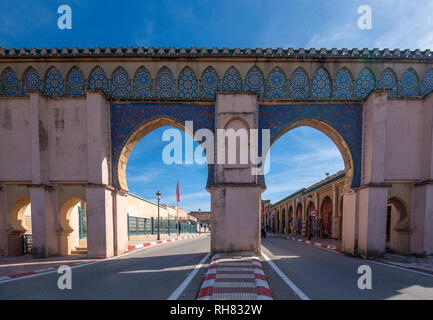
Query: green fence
{"type": "Point", "coordinates": [147, 226]}
{"type": "Point", "coordinates": [82, 220]}
{"type": "Point", "coordinates": [27, 243]}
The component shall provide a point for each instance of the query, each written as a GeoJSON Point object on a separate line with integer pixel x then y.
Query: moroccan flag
{"type": "Point", "coordinates": [177, 191]}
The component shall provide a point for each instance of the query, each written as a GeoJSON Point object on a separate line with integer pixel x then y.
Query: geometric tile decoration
{"type": "Point", "coordinates": [321, 84]}
{"type": "Point", "coordinates": [143, 84]}
{"type": "Point", "coordinates": [277, 84]}
{"type": "Point", "coordinates": [127, 118]}
{"type": "Point", "coordinates": [98, 80]}
{"type": "Point", "coordinates": [54, 85]}
{"type": "Point", "coordinates": [209, 83]}
{"type": "Point", "coordinates": [165, 87]}
{"type": "Point", "coordinates": [299, 84]}
{"type": "Point", "coordinates": [75, 86]}
{"type": "Point", "coordinates": [254, 82]}
{"type": "Point", "coordinates": [427, 83]}
{"type": "Point", "coordinates": [232, 81]}
{"type": "Point", "coordinates": [9, 84]}
{"type": "Point", "coordinates": [120, 84]}
{"type": "Point", "coordinates": [346, 120]}
{"type": "Point", "coordinates": [343, 84]}
{"type": "Point", "coordinates": [187, 84]}
{"type": "Point", "coordinates": [31, 80]}
{"type": "Point", "coordinates": [365, 83]}
{"type": "Point", "coordinates": [409, 84]}
{"type": "Point", "coordinates": [388, 81]}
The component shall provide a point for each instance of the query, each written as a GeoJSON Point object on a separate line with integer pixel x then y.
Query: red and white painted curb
{"type": "Point", "coordinates": [314, 243]}
{"type": "Point", "coordinates": [235, 279]}
{"type": "Point", "coordinates": [153, 243]}
{"type": "Point", "coordinates": [81, 262]}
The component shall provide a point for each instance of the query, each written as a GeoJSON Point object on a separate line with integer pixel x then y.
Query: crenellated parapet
{"type": "Point", "coordinates": [198, 73]}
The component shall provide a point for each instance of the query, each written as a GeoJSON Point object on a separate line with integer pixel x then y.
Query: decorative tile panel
{"type": "Point", "coordinates": [277, 84]}
{"type": "Point", "coordinates": [209, 83]}
{"type": "Point", "coordinates": [54, 84]}
{"type": "Point", "coordinates": [187, 84]}
{"type": "Point", "coordinates": [75, 83]}
{"type": "Point", "coordinates": [120, 84]}
{"type": "Point", "coordinates": [343, 85]}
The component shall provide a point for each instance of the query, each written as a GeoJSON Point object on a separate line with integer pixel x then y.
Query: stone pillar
{"type": "Point", "coordinates": [422, 219]}
{"type": "Point", "coordinates": [349, 230]}
{"type": "Point", "coordinates": [100, 196]}
{"type": "Point", "coordinates": [235, 193]}
{"type": "Point", "coordinates": [120, 221]}
{"type": "Point", "coordinates": [100, 219]}
{"type": "Point", "coordinates": [4, 221]}
{"type": "Point", "coordinates": [44, 232]}
{"type": "Point", "coordinates": [373, 194]}
{"type": "Point", "coordinates": [372, 220]}
{"type": "Point", "coordinates": [42, 195]}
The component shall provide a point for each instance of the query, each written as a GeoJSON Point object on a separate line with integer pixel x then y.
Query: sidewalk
{"type": "Point", "coordinates": [14, 267]}
{"type": "Point", "coordinates": [235, 277]}
{"type": "Point", "coordinates": [330, 244]}
{"type": "Point", "coordinates": [409, 262]}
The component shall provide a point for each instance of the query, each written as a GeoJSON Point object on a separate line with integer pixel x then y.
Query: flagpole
{"type": "Point", "coordinates": [177, 217]}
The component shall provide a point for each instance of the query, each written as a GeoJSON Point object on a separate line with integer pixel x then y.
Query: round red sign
{"type": "Point", "coordinates": [313, 213]}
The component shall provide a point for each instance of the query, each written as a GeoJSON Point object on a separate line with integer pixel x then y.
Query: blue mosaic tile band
{"type": "Point", "coordinates": [345, 119]}
{"type": "Point", "coordinates": [126, 119]}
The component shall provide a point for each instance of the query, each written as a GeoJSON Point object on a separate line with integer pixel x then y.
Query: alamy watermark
{"type": "Point", "coordinates": [65, 20]}
{"type": "Point", "coordinates": [239, 146]}
{"type": "Point", "coordinates": [365, 21]}
{"type": "Point", "coordinates": [65, 280]}
{"type": "Point", "coordinates": [365, 281]}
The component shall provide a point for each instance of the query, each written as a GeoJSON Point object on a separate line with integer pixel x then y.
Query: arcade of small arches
{"type": "Point", "coordinates": [277, 84]}
{"type": "Point", "coordinates": [292, 214]}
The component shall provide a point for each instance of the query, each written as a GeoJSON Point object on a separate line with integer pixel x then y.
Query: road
{"type": "Point", "coordinates": [323, 274]}
{"type": "Point", "coordinates": [150, 273]}
{"type": "Point", "coordinates": [158, 272]}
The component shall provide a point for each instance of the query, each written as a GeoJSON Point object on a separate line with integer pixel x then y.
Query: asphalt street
{"type": "Point", "coordinates": [172, 270]}
{"type": "Point", "coordinates": [324, 274]}
{"type": "Point", "coordinates": [150, 273]}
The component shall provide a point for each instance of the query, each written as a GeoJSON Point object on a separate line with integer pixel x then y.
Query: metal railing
{"type": "Point", "coordinates": [149, 226]}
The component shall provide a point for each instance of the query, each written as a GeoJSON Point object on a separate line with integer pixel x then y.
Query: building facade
{"type": "Point", "coordinates": [71, 117]}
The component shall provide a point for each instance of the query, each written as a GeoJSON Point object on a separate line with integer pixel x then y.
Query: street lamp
{"type": "Point", "coordinates": [199, 220]}
{"type": "Point", "coordinates": [158, 197]}
{"type": "Point", "coordinates": [309, 225]}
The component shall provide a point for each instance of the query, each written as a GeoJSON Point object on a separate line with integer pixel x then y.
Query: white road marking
{"type": "Point", "coordinates": [77, 265]}
{"type": "Point", "coordinates": [298, 291]}
{"type": "Point", "coordinates": [176, 293]}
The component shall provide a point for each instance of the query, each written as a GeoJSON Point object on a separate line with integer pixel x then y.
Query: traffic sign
{"type": "Point", "coordinates": [313, 213]}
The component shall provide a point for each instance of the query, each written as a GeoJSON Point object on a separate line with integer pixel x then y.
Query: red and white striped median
{"type": "Point", "coordinates": [235, 278]}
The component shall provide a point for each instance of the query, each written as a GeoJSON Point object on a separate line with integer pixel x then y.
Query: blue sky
{"type": "Point", "coordinates": [299, 158]}
{"type": "Point", "coordinates": [232, 23]}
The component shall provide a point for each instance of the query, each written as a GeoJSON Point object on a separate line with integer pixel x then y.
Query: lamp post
{"type": "Point", "coordinates": [199, 220]}
{"type": "Point", "coordinates": [158, 197]}
{"type": "Point", "coordinates": [309, 225]}
{"type": "Point", "coordinates": [168, 222]}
